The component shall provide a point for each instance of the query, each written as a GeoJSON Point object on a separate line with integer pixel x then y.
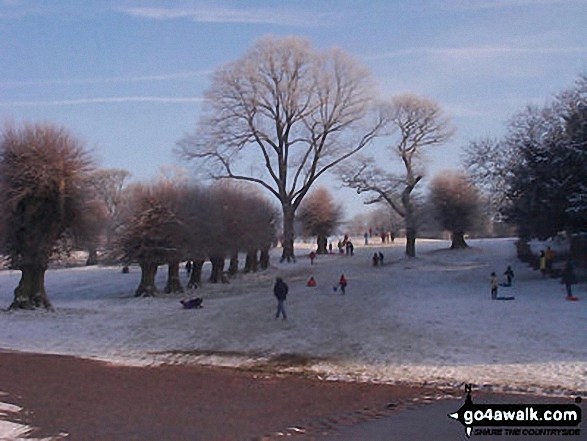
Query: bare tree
{"type": "Point", "coordinates": [107, 187]}
{"type": "Point", "coordinates": [456, 204]}
{"type": "Point", "coordinates": [154, 233]}
{"type": "Point", "coordinates": [237, 219]}
{"type": "Point", "coordinates": [416, 124]}
{"type": "Point", "coordinates": [43, 198]}
{"type": "Point", "coordinates": [281, 117]}
{"type": "Point", "coordinates": [488, 163]}
{"type": "Point", "coordinates": [320, 216]}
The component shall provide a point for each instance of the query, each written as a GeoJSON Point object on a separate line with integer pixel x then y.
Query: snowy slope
{"type": "Point", "coordinates": [425, 320]}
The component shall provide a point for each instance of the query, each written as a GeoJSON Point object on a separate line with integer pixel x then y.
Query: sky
{"type": "Point", "coordinates": [128, 77]}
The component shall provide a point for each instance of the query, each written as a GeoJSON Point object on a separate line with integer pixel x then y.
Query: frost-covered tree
{"type": "Point", "coordinates": [281, 117]}
{"type": "Point", "coordinates": [43, 198]}
{"type": "Point", "coordinates": [488, 163]}
{"type": "Point", "coordinates": [222, 221]}
{"type": "Point", "coordinates": [320, 215]}
{"type": "Point", "coordinates": [154, 233]}
{"type": "Point", "coordinates": [108, 187]}
{"type": "Point", "coordinates": [455, 203]}
{"type": "Point", "coordinates": [547, 183]}
{"type": "Point", "coordinates": [415, 124]}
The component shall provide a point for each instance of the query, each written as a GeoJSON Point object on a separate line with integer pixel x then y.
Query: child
{"type": "Point", "coordinates": [494, 285]}
{"type": "Point", "coordinates": [343, 283]}
{"type": "Point", "coordinates": [375, 259]}
{"type": "Point", "coordinates": [509, 273]}
{"type": "Point", "coordinates": [568, 278]}
{"type": "Point", "coordinates": [311, 281]}
{"type": "Point", "coordinates": [312, 256]}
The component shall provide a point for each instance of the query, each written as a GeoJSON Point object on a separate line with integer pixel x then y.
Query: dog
{"type": "Point", "coordinates": [192, 303]}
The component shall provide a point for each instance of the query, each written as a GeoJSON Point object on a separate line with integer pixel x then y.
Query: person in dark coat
{"type": "Point", "coordinates": [375, 259]}
{"type": "Point", "coordinates": [280, 290]}
{"type": "Point", "coordinates": [509, 273]}
{"type": "Point", "coordinates": [380, 258]}
{"type": "Point", "coordinates": [568, 279]}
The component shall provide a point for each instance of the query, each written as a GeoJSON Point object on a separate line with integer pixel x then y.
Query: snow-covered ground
{"type": "Point", "coordinates": [429, 320]}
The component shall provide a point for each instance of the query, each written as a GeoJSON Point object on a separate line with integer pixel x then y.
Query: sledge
{"type": "Point", "coordinates": [192, 304]}
{"type": "Point", "coordinates": [572, 298]}
{"type": "Point", "coordinates": [505, 298]}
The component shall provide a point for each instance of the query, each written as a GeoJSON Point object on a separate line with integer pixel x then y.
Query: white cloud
{"type": "Point", "coordinates": [479, 51]}
{"type": "Point", "coordinates": [104, 80]}
{"type": "Point", "coordinates": [104, 100]}
{"type": "Point", "coordinates": [285, 17]}
{"type": "Point", "coordinates": [496, 4]}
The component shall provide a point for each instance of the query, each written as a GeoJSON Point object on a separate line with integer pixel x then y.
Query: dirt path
{"type": "Point", "coordinates": [90, 400]}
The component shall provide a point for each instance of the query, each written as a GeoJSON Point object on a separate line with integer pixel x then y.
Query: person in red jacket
{"type": "Point", "coordinates": [342, 283]}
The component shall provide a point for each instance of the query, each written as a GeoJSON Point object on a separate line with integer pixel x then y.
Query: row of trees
{"type": "Point", "coordinates": [52, 198]}
{"type": "Point", "coordinates": [167, 223]}
{"type": "Point", "coordinates": [536, 175]}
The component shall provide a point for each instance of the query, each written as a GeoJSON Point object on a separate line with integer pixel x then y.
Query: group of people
{"type": "Point", "coordinates": [346, 245]}
{"type": "Point", "coordinates": [509, 273]}
{"type": "Point", "coordinates": [377, 259]}
{"type": "Point", "coordinates": [568, 277]}
{"type": "Point", "coordinates": [389, 237]}
{"type": "Point", "coordinates": [280, 290]}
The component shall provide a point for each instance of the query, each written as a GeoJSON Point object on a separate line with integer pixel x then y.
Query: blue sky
{"type": "Point", "coordinates": [128, 77]}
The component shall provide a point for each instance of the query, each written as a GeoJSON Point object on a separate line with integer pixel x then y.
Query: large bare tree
{"type": "Point", "coordinates": [282, 116]}
{"type": "Point", "coordinates": [414, 124]}
{"type": "Point", "coordinates": [43, 198]}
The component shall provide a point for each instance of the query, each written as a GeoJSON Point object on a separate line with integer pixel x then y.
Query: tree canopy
{"type": "Point", "coordinates": [282, 116]}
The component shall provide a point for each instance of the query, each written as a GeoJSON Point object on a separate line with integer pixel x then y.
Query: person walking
{"type": "Point", "coordinates": [342, 283]}
{"type": "Point", "coordinates": [568, 279]}
{"type": "Point", "coordinates": [280, 290]}
{"type": "Point", "coordinates": [509, 273]}
{"type": "Point", "coordinates": [543, 263]}
{"type": "Point", "coordinates": [494, 285]}
{"type": "Point", "coordinates": [549, 256]}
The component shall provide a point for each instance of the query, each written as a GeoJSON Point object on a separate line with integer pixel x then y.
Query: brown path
{"type": "Point", "coordinates": [91, 400]}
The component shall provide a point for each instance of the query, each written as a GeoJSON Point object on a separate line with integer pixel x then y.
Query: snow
{"type": "Point", "coordinates": [425, 320]}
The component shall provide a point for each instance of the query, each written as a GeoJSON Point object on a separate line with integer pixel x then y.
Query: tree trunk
{"type": "Point", "coordinates": [322, 245]}
{"type": "Point", "coordinates": [233, 265]}
{"type": "Point", "coordinates": [92, 256]}
{"type": "Point", "coordinates": [196, 275]}
{"type": "Point", "coordinates": [173, 280]}
{"type": "Point", "coordinates": [217, 274]}
{"type": "Point", "coordinates": [288, 234]}
{"type": "Point", "coordinates": [147, 287]}
{"type": "Point", "coordinates": [30, 292]}
{"type": "Point", "coordinates": [251, 262]}
{"type": "Point", "coordinates": [458, 240]}
{"type": "Point", "coordinates": [264, 259]}
{"type": "Point", "coordinates": [410, 242]}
